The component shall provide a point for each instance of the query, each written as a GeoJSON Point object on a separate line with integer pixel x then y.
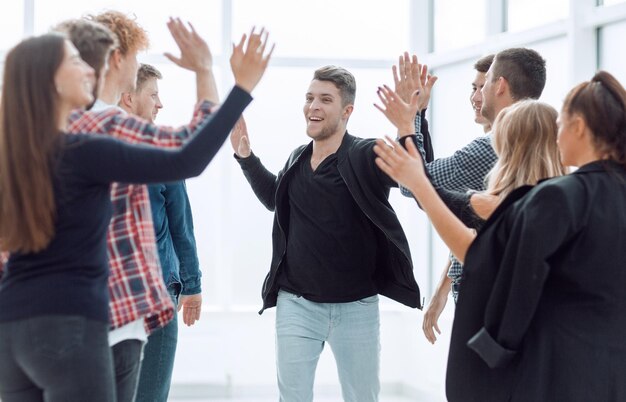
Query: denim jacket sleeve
{"type": "Point", "coordinates": [180, 223]}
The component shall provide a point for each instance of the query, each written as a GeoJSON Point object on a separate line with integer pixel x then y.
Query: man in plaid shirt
{"type": "Point", "coordinates": [139, 301]}
{"type": "Point", "coordinates": [522, 75]}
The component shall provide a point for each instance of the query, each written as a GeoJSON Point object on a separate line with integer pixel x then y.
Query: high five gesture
{"type": "Point", "coordinates": [249, 60]}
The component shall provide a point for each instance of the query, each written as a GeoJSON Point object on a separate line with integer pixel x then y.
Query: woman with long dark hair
{"type": "Point", "coordinates": [54, 212]}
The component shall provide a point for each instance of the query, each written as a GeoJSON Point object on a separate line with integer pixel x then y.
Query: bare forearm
{"type": "Point", "coordinates": [445, 282]}
{"type": "Point", "coordinates": [444, 286]}
{"type": "Point", "coordinates": [452, 231]}
{"type": "Point", "coordinates": [206, 86]}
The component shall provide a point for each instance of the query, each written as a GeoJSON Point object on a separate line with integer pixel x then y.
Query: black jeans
{"type": "Point", "coordinates": [127, 362]}
{"type": "Point", "coordinates": [65, 358]}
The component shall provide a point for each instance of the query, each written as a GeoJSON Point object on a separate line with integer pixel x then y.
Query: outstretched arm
{"type": "Point", "coordinates": [407, 168]}
{"type": "Point", "coordinates": [410, 77]}
{"type": "Point", "coordinates": [195, 56]}
{"type": "Point", "coordinates": [145, 165]}
{"type": "Point", "coordinates": [245, 77]}
{"type": "Point", "coordinates": [239, 139]}
{"type": "Point", "coordinates": [262, 181]}
{"type": "Point", "coordinates": [399, 112]}
{"type": "Point", "coordinates": [402, 110]}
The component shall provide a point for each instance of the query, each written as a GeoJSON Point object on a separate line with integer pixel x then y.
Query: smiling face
{"type": "Point", "coordinates": [476, 98]}
{"type": "Point", "coordinates": [324, 111]}
{"type": "Point", "coordinates": [488, 95]}
{"type": "Point", "coordinates": [74, 80]}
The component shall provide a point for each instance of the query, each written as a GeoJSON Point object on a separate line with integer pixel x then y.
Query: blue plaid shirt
{"type": "Point", "coordinates": [465, 170]}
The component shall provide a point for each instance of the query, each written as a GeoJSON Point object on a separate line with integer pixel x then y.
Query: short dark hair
{"type": "Point", "coordinates": [602, 104]}
{"type": "Point", "coordinates": [483, 64]}
{"type": "Point", "coordinates": [524, 69]}
{"type": "Point", "coordinates": [93, 40]}
{"type": "Point", "coordinates": [343, 80]}
{"type": "Point", "coordinates": [144, 73]}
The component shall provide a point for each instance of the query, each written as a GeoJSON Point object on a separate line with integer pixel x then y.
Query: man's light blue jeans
{"type": "Point", "coordinates": [351, 329]}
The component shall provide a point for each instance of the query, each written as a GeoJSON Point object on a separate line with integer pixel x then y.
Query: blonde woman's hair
{"type": "Point", "coordinates": [524, 138]}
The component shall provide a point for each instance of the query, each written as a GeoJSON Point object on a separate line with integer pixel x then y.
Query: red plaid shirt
{"type": "Point", "coordinates": [136, 287]}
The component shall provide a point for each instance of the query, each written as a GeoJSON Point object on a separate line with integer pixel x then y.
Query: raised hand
{"type": "Point", "coordinates": [195, 54]}
{"type": "Point", "coordinates": [409, 77]}
{"type": "Point", "coordinates": [249, 62]}
{"type": "Point", "coordinates": [399, 112]}
{"type": "Point", "coordinates": [239, 139]}
{"type": "Point", "coordinates": [427, 82]}
{"type": "Point", "coordinates": [406, 76]}
{"type": "Point", "coordinates": [404, 166]}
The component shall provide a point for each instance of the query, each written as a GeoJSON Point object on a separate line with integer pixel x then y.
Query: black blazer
{"type": "Point", "coordinates": [541, 314]}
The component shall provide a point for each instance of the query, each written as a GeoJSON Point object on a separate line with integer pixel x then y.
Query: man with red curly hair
{"type": "Point", "coordinates": [139, 301]}
{"type": "Point", "coordinates": [122, 69]}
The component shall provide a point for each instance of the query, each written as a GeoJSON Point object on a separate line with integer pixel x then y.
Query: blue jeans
{"type": "Point", "coordinates": [351, 329]}
{"type": "Point", "coordinates": [158, 359]}
{"type": "Point", "coordinates": [127, 363]}
{"type": "Point", "coordinates": [56, 358]}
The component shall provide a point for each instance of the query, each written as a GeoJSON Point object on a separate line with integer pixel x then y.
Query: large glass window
{"type": "Point", "coordinates": [611, 59]}
{"type": "Point", "coordinates": [12, 24]}
{"type": "Point", "coordinates": [452, 127]}
{"type": "Point", "coordinates": [152, 16]}
{"type": "Point", "coordinates": [459, 23]}
{"type": "Point", "coordinates": [557, 83]}
{"type": "Point", "coordinates": [452, 115]}
{"type": "Point", "coordinates": [368, 29]}
{"type": "Point", "coordinates": [276, 127]}
{"type": "Point", "coordinates": [526, 14]}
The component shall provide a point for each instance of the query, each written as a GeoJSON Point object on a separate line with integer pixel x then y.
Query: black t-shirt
{"type": "Point", "coordinates": [331, 244]}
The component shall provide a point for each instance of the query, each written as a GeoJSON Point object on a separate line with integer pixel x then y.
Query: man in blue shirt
{"type": "Point", "coordinates": [173, 226]}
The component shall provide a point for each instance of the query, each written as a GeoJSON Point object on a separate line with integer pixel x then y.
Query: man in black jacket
{"type": "Point", "coordinates": [337, 244]}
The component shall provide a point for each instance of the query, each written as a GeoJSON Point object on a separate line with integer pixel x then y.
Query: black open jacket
{"type": "Point", "coordinates": [370, 188]}
{"type": "Point", "coordinates": [541, 313]}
